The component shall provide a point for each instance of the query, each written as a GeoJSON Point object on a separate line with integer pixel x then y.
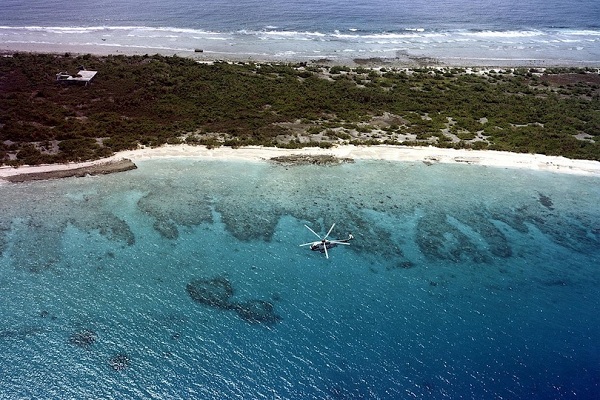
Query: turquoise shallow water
{"type": "Point", "coordinates": [462, 282]}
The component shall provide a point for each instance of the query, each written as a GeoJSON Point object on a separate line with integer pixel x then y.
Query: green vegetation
{"type": "Point", "coordinates": [153, 100]}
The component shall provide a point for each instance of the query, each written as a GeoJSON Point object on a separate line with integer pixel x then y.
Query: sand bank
{"type": "Point", "coordinates": [427, 155]}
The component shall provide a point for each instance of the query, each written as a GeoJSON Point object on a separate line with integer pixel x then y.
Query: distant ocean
{"type": "Point", "coordinates": [453, 32]}
{"type": "Point", "coordinates": [184, 279]}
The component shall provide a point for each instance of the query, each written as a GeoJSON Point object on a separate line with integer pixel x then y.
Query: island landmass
{"type": "Point", "coordinates": [143, 101]}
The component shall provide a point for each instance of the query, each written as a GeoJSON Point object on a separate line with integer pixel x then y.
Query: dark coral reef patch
{"type": "Point", "coordinates": [84, 338]}
{"type": "Point", "coordinates": [545, 201]}
{"type": "Point", "coordinates": [218, 292]}
{"type": "Point", "coordinates": [173, 207]}
{"type": "Point", "coordinates": [119, 361]}
{"type": "Point", "coordinates": [257, 312]}
{"type": "Point", "coordinates": [462, 236]}
{"type": "Point", "coordinates": [215, 292]}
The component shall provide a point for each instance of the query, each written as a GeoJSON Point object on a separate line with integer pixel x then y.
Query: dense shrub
{"type": "Point", "coordinates": [153, 100]}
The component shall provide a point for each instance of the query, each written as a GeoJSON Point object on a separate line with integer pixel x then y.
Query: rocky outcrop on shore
{"type": "Point", "coordinates": [104, 168]}
{"type": "Point", "coordinates": [306, 159]}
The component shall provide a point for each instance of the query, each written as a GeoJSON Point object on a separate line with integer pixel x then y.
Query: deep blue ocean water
{"type": "Point", "coordinates": [453, 31]}
{"type": "Point", "coordinates": [462, 282]}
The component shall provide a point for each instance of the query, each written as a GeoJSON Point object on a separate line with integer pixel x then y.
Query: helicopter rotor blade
{"type": "Point", "coordinates": [325, 248]}
{"type": "Point", "coordinates": [330, 229]}
{"type": "Point", "coordinates": [307, 244]}
{"type": "Point", "coordinates": [314, 233]}
{"type": "Point", "coordinates": [336, 242]}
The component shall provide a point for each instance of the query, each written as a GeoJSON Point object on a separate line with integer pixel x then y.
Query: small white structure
{"type": "Point", "coordinates": [82, 76]}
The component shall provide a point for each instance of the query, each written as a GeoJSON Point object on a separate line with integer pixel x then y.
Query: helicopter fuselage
{"type": "Point", "coordinates": [323, 244]}
{"type": "Point", "coordinates": [320, 246]}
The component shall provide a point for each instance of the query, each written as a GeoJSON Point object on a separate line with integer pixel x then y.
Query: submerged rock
{"type": "Point", "coordinates": [84, 338]}
{"type": "Point", "coordinates": [214, 292]}
{"type": "Point", "coordinates": [119, 362]}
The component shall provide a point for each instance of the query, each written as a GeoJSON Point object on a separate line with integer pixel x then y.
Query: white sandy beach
{"type": "Point", "coordinates": [431, 155]}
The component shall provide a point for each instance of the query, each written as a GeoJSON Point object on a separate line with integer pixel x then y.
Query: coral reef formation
{"type": "Point", "coordinates": [217, 293]}
{"type": "Point", "coordinates": [257, 312]}
{"type": "Point", "coordinates": [187, 209]}
{"type": "Point", "coordinates": [84, 338]}
{"type": "Point", "coordinates": [119, 361]}
{"type": "Point", "coordinates": [214, 292]}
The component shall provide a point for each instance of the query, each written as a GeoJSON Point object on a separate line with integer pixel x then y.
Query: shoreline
{"type": "Point", "coordinates": [428, 155]}
{"type": "Point", "coordinates": [399, 61]}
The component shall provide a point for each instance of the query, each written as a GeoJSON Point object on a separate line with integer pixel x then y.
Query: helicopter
{"type": "Point", "coordinates": [323, 244]}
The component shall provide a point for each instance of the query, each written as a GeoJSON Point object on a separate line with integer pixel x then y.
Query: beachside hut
{"type": "Point", "coordinates": [83, 76]}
